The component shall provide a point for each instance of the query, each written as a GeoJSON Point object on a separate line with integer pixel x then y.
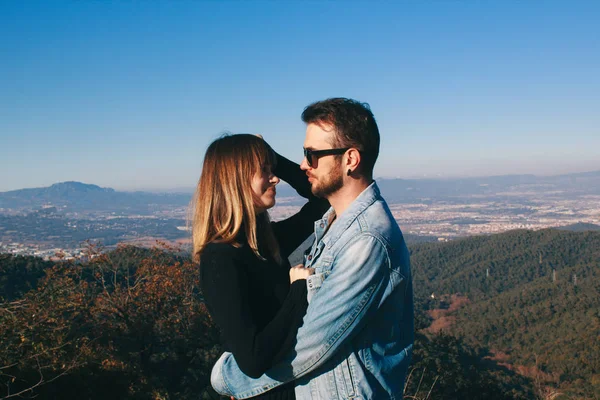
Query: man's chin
{"type": "Point", "coordinates": [317, 192]}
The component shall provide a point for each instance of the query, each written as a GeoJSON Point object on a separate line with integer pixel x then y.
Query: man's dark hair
{"type": "Point", "coordinates": [354, 126]}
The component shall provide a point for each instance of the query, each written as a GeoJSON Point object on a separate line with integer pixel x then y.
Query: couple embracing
{"type": "Point", "coordinates": [338, 326]}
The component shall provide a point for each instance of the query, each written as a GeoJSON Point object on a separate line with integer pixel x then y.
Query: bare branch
{"type": "Point", "coordinates": [431, 388]}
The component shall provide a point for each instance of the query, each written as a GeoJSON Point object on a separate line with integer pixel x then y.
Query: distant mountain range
{"type": "Point", "coordinates": [406, 190]}
{"type": "Point", "coordinates": [77, 196]}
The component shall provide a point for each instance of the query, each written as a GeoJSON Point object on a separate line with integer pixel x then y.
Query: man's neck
{"type": "Point", "coordinates": [342, 199]}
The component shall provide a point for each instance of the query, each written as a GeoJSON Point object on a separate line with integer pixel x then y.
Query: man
{"type": "Point", "coordinates": [357, 336]}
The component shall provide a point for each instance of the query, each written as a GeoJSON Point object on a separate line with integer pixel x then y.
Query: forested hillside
{"type": "Point", "coordinates": [492, 322]}
{"type": "Point", "coordinates": [531, 298]}
{"type": "Point", "coordinates": [129, 324]}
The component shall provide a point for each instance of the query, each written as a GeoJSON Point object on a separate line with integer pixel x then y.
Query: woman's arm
{"type": "Point", "coordinates": [294, 230]}
{"type": "Point", "coordinates": [226, 292]}
{"type": "Point", "coordinates": [290, 172]}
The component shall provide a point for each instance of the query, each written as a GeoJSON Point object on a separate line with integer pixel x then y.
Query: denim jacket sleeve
{"type": "Point", "coordinates": [353, 289]}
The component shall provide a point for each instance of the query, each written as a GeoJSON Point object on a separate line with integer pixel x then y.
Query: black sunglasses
{"type": "Point", "coordinates": [309, 154]}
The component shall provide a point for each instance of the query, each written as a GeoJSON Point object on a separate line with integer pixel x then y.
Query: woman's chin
{"type": "Point", "coordinates": [262, 209]}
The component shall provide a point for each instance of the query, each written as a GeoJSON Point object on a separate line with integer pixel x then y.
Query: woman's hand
{"type": "Point", "coordinates": [299, 272]}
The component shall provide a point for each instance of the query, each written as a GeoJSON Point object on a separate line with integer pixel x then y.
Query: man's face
{"type": "Point", "coordinates": [325, 175]}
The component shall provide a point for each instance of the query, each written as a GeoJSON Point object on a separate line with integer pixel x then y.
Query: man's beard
{"type": "Point", "coordinates": [329, 184]}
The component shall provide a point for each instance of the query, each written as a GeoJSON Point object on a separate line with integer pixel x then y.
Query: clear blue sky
{"type": "Point", "coordinates": [128, 94]}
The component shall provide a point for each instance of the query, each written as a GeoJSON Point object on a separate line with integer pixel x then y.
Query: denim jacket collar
{"type": "Point", "coordinates": [359, 205]}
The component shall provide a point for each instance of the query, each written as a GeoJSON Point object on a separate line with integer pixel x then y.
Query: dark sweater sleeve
{"type": "Point", "coordinates": [291, 232]}
{"type": "Point", "coordinates": [226, 292]}
{"type": "Point", "coordinates": [290, 172]}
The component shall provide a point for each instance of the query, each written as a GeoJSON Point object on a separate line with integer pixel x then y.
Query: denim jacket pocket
{"type": "Point", "coordinates": [312, 255]}
{"type": "Point", "coordinates": [344, 381]}
{"type": "Point", "coordinates": [313, 284]}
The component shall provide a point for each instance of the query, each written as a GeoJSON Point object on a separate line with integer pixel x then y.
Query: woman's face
{"type": "Point", "coordinates": [263, 186]}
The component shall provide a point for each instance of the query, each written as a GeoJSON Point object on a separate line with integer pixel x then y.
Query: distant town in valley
{"type": "Point", "coordinates": [59, 220]}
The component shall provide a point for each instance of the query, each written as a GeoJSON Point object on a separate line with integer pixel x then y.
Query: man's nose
{"type": "Point", "coordinates": [304, 164]}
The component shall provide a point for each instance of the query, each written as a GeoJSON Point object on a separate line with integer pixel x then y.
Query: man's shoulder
{"type": "Point", "coordinates": [378, 219]}
{"type": "Point", "coordinates": [368, 216]}
{"type": "Point", "coordinates": [374, 221]}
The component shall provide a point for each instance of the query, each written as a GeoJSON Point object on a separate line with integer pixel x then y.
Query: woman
{"type": "Point", "coordinates": [251, 292]}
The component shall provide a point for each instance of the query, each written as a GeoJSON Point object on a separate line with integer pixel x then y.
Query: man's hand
{"type": "Point", "coordinates": [299, 272]}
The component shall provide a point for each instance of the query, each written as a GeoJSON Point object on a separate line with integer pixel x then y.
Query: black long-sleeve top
{"type": "Point", "coordinates": [251, 300]}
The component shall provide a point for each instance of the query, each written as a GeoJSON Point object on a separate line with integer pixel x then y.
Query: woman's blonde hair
{"type": "Point", "coordinates": [224, 202]}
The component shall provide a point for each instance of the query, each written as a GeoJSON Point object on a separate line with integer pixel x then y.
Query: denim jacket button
{"type": "Point", "coordinates": [322, 225]}
{"type": "Point", "coordinates": [309, 257]}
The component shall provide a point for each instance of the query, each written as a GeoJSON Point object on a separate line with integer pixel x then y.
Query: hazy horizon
{"type": "Point", "coordinates": [191, 188]}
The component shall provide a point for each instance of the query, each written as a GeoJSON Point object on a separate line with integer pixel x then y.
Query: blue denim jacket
{"type": "Point", "coordinates": [357, 336]}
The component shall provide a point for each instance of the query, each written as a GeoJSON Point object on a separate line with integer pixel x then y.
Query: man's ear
{"type": "Point", "coordinates": [352, 160]}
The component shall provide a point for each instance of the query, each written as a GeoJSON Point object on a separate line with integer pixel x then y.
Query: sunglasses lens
{"type": "Point", "coordinates": [308, 156]}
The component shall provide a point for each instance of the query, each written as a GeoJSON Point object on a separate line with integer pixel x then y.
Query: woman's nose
{"type": "Point", "coordinates": [274, 179]}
